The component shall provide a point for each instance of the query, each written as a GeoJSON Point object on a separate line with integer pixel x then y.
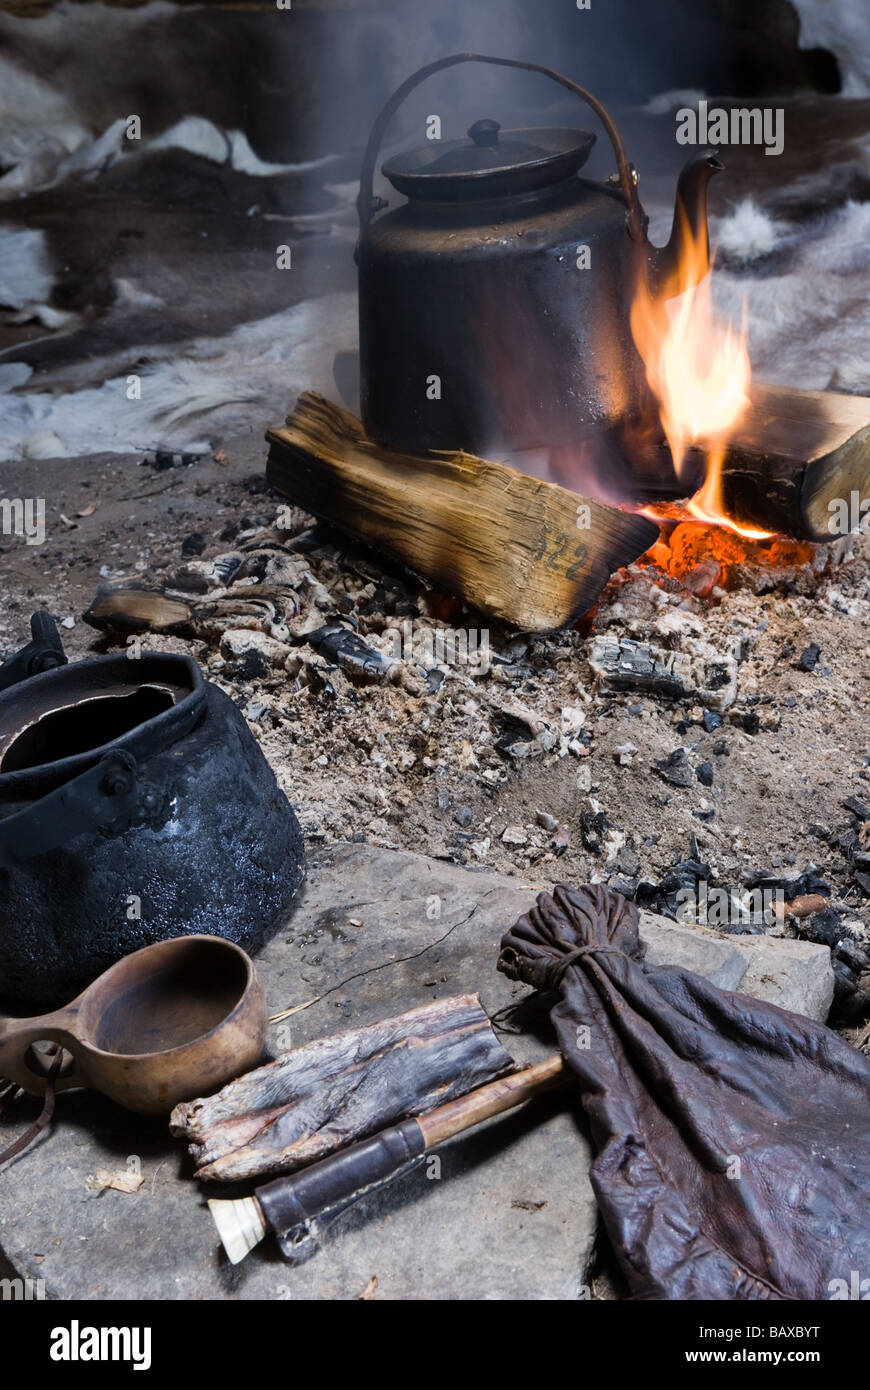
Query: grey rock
{"type": "Point", "coordinates": [796, 975]}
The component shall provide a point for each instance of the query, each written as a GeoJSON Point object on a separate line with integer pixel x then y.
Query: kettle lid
{"type": "Point", "coordinates": [489, 163]}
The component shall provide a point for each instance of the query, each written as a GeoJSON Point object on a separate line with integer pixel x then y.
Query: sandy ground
{"type": "Point", "coordinates": [453, 771]}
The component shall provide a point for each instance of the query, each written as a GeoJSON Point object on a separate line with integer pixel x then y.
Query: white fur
{"type": "Point", "coordinates": [747, 234]}
{"type": "Point", "coordinates": [843, 27]}
{"type": "Point", "coordinates": [217, 385]}
{"type": "Point", "coordinates": [809, 324]}
{"type": "Point", "coordinates": [46, 163]}
{"type": "Point", "coordinates": [25, 269]}
{"type": "Point", "coordinates": [204, 138]}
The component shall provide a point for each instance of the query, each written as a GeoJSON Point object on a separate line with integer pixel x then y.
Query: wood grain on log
{"type": "Point", "coordinates": [341, 1088]}
{"type": "Point", "coordinates": [528, 552]}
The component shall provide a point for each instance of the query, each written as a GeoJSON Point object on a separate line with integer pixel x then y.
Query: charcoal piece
{"type": "Point", "coordinates": [626, 887]}
{"type": "Point", "coordinates": [809, 657]}
{"type": "Point", "coordinates": [623, 664]}
{"type": "Point", "coordinates": [849, 958]}
{"type": "Point", "coordinates": [858, 808]}
{"type": "Point", "coordinates": [664, 897]}
{"type": "Point", "coordinates": [349, 652]}
{"type": "Point", "coordinates": [192, 545]}
{"type": "Point", "coordinates": [711, 720]}
{"type": "Point", "coordinates": [130, 607]}
{"type": "Point", "coordinates": [164, 459]}
{"type": "Point", "coordinates": [593, 827]}
{"type": "Point", "coordinates": [797, 886]}
{"type": "Point", "coordinates": [823, 927]}
{"type": "Point", "coordinates": [702, 1106]}
{"type": "Point", "coordinates": [250, 666]}
{"type": "Point", "coordinates": [704, 774]}
{"type": "Point", "coordinates": [627, 862]}
{"type": "Point", "coordinates": [675, 768]}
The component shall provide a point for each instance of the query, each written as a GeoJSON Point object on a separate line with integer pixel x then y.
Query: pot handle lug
{"type": "Point", "coordinates": [105, 799]}
{"type": "Point", "coordinates": [368, 205]}
{"type": "Point", "coordinates": [43, 652]}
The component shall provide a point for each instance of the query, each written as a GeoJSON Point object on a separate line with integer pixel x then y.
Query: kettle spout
{"type": "Point", "coordinates": [685, 260]}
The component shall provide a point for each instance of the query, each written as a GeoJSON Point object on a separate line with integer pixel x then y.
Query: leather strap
{"type": "Point", "coordinates": [45, 1116]}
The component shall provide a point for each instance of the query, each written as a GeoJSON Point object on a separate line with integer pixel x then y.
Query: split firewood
{"type": "Point", "coordinates": [341, 1088]}
{"type": "Point", "coordinates": [528, 552]}
{"type": "Point", "coordinates": [798, 463]}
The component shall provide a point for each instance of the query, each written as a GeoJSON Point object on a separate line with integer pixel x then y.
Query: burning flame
{"type": "Point", "coordinates": [699, 371]}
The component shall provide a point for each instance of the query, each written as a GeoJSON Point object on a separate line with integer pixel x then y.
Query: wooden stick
{"type": "Point", "coordinates": [505, 1094]}
{"type": "Point", "coordinates": [528, 552]}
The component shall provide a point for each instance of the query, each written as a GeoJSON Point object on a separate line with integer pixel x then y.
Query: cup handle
{"type": "Point", "coordinates": [17, 1035]}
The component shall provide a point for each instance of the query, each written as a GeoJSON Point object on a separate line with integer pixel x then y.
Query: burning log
{"type": "Point", "coordinates": [339, 1089]}
{"type": "Point", "coordinates": [796, 459]}
{"type": "Point", "coordinates": [797, 464]}
{"type": "Point", "coordinates": [528, 552]}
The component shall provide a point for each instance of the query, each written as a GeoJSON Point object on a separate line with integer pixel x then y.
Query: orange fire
{"type": "Point", "coordinates": [699, 371]}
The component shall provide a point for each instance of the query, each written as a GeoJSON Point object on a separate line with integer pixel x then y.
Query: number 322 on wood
{"type": "Point", "coordinates": [565, 558]}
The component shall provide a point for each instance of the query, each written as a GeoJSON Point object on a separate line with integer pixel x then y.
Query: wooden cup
{"type": "Point", "coordinates": [171, 1022]}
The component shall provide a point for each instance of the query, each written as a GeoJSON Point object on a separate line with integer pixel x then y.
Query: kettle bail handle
{"type": "Point", "coordinates": [367, 206]}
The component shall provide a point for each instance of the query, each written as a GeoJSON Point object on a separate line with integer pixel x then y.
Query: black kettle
{"type": "Point", "coordinates": [135, 805]}
{"type": "Point", "coordinates": [494, 306]}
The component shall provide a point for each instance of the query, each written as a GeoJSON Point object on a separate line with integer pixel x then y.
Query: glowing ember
{"type": "Point", "coordinates": [699, 371]}
{"type": "Point", "coordinates": [702, 557]}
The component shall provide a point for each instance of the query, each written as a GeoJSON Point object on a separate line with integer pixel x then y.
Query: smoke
{"type": "Point", "coordinates": [238, 110]}
{"type": "Point", "coordinates": [301, 83]}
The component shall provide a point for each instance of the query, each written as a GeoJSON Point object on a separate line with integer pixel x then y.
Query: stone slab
{"type": "Point", "coordinates": [509, 1215]}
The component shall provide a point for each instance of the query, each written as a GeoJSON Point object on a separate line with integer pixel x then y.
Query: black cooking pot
{"type": "Point", "coordinates": [495, 305]}
{"type": "Point", "coordinates": [135, 805]}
